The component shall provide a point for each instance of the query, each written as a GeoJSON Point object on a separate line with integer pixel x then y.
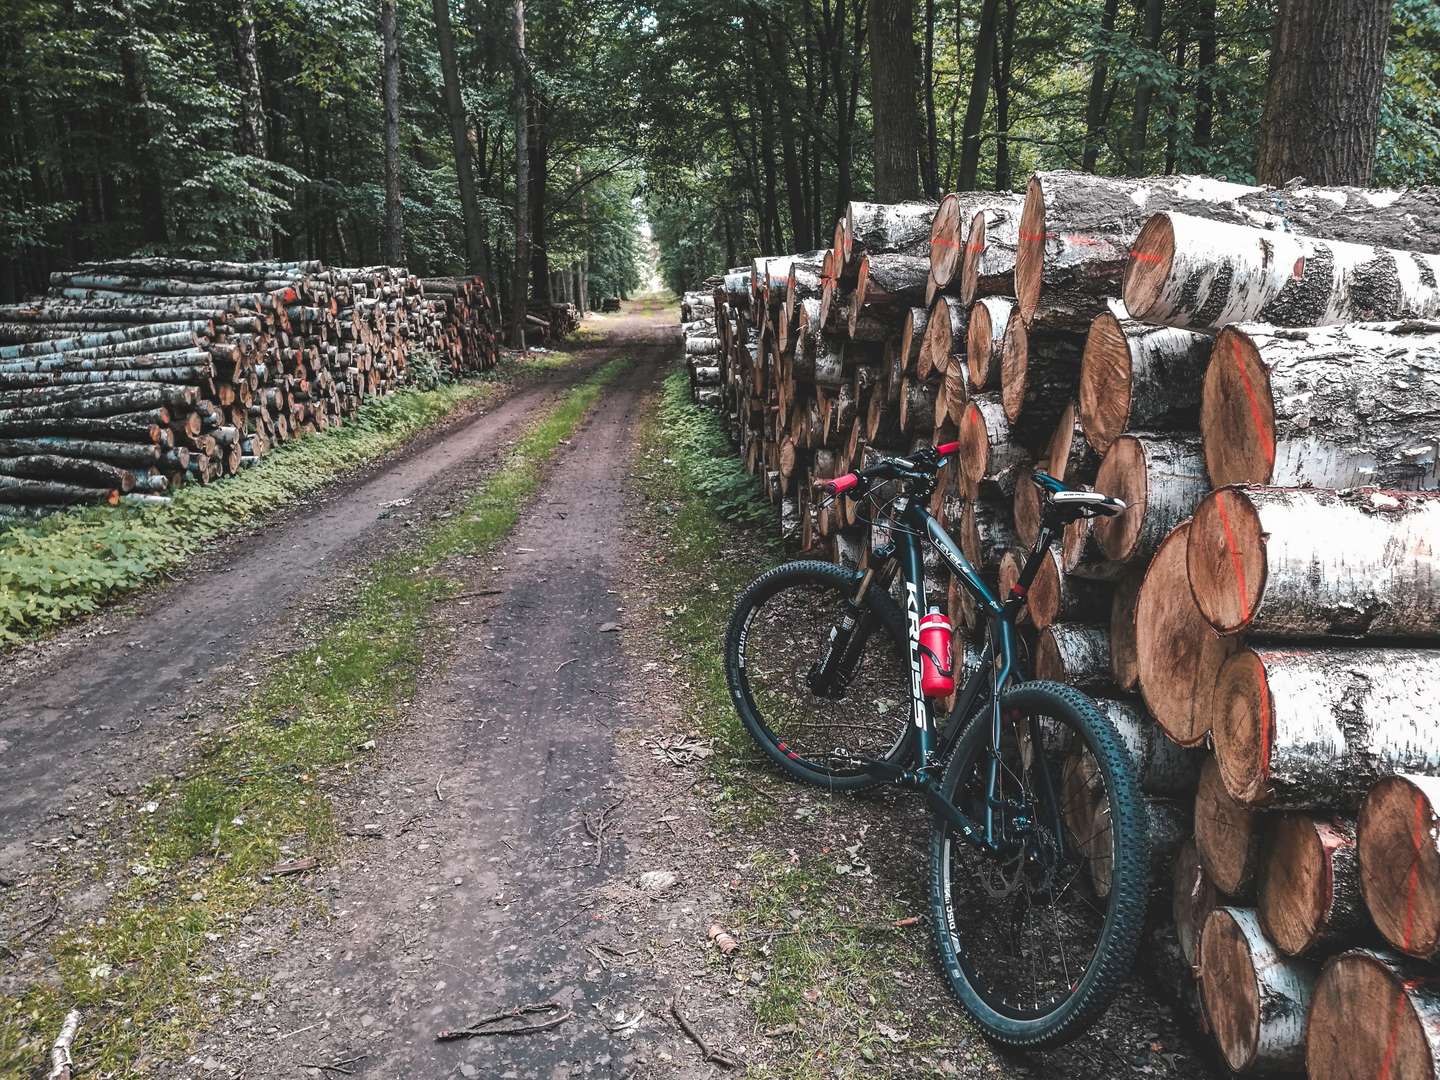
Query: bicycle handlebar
{"type": "Point", "coordinates": [926, 462]}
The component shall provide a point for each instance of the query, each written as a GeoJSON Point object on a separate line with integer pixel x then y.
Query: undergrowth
{"type": "Point", "coordinates": [200, 859]}
{"type": "Point", "coordinates": [69, 565]}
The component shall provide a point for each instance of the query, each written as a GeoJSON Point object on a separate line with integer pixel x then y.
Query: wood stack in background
{"type": "Point", "coordinates": [1229, 360]}
{"type": "Point", "coordinates": [132, 377]}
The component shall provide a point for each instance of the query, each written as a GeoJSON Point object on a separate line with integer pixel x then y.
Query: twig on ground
{"type": "Point", "coordinates": [61, 1063]}
{"type": "Point", "coordinates": [480, 1028]}
{"type": "Point", "coordinates": [567, 663]}
{"type": "Point", "coordinates": [41, 923]}
{"type": "Point", "coordinates": [335, 1066]}
{"type": "Point", "coordinates": [475, 592]}
{"type": "Point", "coordinates": [438, 796]}
{"type": "Point", "coordinates": [598, 831]}
{"type": "Point", "coordinates": [723, 1060]}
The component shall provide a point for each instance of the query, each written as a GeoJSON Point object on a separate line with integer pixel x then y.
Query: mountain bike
{"type": "Point", "coordinates": [1039, 845]}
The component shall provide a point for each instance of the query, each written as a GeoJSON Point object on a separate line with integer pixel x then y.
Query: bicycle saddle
{"type": "Point", "coordinates": [1071, 503]}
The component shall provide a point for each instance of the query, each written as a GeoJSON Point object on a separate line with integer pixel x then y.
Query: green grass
{"type": "Point", "coordinates": [70, 564]}
{"type": "Point", "coordinates": [198, 864]}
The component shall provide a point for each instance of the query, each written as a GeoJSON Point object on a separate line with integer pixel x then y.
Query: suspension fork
{"type": "Point", "coordinates": [848, 637]}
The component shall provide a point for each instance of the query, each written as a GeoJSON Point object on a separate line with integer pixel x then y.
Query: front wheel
{"type": "Point", "coordinates": [822, 688]}
{"type": "Point", "coordinates": [1035, 943]}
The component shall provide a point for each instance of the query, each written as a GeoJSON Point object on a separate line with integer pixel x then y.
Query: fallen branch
{"type": "Point", "coordinates": [706, 1054]}
{"type": "Point", "coordinates": [598, 832]}
{"type": "Point", "coordinates": [60, 1060]}
{"type": "Point", "coordinates": [335, 1066]}
{"type": "Point", "coordinates": [480, 1027]}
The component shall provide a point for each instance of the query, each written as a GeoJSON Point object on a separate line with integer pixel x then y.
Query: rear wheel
{"type": "Point", "coordinates": [1034, 944]}
{"type": "Point", "coordinates": [823, 699]}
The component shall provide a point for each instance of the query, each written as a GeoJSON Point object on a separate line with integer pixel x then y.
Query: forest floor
{"type": "Point", "coordinates": [460, 747]}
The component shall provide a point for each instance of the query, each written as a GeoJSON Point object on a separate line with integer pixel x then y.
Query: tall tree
{"type": "Point", "coordinates": [252, 136]}
{"type": "Point", "coordinates": [477, 254]}
{"type": "Point", "coordinates": [1322, 98]}
{"type": "Point", "coordinates": [137, 91]}
{"type": "Point", "coordinates": [892, 99]}
{"type": "Point", "coordinates": [1145, 88]}
{"type": "Point", "coordinates": [1095, 99]}
{"type": "Point", "coordinates": [1004, 61]}
{"type": "Point", "coordinates": [520, 272]}
{"type": "Point", "coordinates": [930, 174]}
{"type": "Point", "coordinates": [1204, 75]}
{"type": "Point", "coordinates": [794, 186]}
{"type": "Point", "coordinates": [979, 92]}
{"type": "Point", "coordinates": [393, 236]}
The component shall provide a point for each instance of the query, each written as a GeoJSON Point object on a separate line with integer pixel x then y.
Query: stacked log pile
{"type": "Point", "coordinates": [1256, 372]}
{"type": "Point", "coordinates": [702, 346]}
{"type": "Point", "coordinates": [130, 378]}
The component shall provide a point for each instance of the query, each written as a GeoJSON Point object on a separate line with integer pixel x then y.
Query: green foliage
{"type": "Point", "coordinates": [254, 798]}
{"type": "Point", "coordinates": [702, 454]}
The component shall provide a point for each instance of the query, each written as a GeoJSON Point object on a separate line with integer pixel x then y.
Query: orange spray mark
{"type": "Point", "coordinates": [1241, 593]}
{"type": "Point", "coordinates": [1412, 881]}
{"type": "Point", "coordinates": [1392, 1037]}
{"type": "Point", "coordinates": [1254, 401]}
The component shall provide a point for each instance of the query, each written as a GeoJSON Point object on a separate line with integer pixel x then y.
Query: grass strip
{"type": "Point", "coordinates": [68, 565]}
{"type": "Point", "coordinates": [198, 861]}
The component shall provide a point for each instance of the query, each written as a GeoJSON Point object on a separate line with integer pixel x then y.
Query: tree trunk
{"type": "Point", "coordinates": [1399, 847]}
{"type": "Point", "coordinates": [1144, 89]}
{"type": "Point", "coordinates": [1304, 563]}
{"type": "Point", "coordinates": [1228, 836]}
{"type": "Point", "coordinates": [987, 266]}
{"type": "Point", "coordinates": [1313, 728]}
{"type": "Point", "coordinates": [252, 133]}
{"type": "Point", "coordinates": [979, 93]}
{"type": "Point", "coordinates": [520, 270]}
{"type": "Point", "coordinates": [1336, 406]}
{"type": "Point", "coordinates": [892, 99]}
{"type": "Point", "coordinates": [1374, 1015]}
{"type": "Point", "coordinates": [477, 259]}
{"type": "Point", "coordinates": [1321, 120]}
{"type": "Point", "coordinates": [1310, 890]}
{"type": "Point", "coordinates": [1203, 274]}
{"type": "Point", "coordinates": [1004, 56]}
{"type": "Point", "coordinates": [1160, 479]}
{"type": "Point", "coordinates": [886, 229]}
{"type": "Point", "coordinates": [1255, 998]}
{"type": "Point", "coordinates": [931, 170]}
{"type": "Point", "coordinates": [1134, 376]}
{"type": "Point", "coordinates": [1205, 76]}
{"type": "Point", "coordinates": [1095, 99]}
{"type": "Point", "coordinates": [1177, 655]}
{"type": "Point", "coordinates": [393, 245]}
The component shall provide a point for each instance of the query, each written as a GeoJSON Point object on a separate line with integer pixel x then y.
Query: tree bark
{"type": "Point", "coordinates": [1374, 1015]}
{"type": "Point", "coordinates": [992, 238]}
{"type": "Point", "coordinates": [1255, 998]}
{"type": "Point", "coordinates": [1144, 89]}
{"type": "Point", "coordinates": [1313, 728]}
{"type": "Point", "coordinates": [393, 243]}
{"type": "Point", "coordinates": [1134, 376]}
{"type": "Point", "coordinates": [892, 99]}
{"type": "Point", "coordinates": [1039, 374]}
{"type": "Point", "coordinates": [1335, 407]}
{"type": "Point", "coordinates": [1321, 120]}
{"type": "Point", "coordinates": [1192, 898]}
{"type": "Point", "coordinates": [1399, 848]}
{"type": "Point", "coordinates": [987, 322]}
{"type": "Point", "coordinates": [989, 459]}
{"type": "Point", "coordinates": [1095, 98]}
{"type": "Point", "coordinates": [1076, 654]}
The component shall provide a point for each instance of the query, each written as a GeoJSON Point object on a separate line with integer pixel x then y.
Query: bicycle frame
{"type": "Point", "coordinates": [917, 527]}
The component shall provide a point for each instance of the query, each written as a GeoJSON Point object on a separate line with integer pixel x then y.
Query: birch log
{"type": "Point", "coordinates": [1227, 835]}
{"type": "Point", "coordinates": [912, 335]}
{"type": "Point", "coordinates": [1039, 375]}
{"type": "Point", "coordinates": [1308, 728]}
{"type": "Point", "coordinates": [1177, 655]}
{"type": "Point", "coordinates": [992, 240]}
{"type": "Point", "coordinates": [1074, 653]}
{"type": "Point", "coordinates": [990, 460]}
{"type": "Point", "coordinates": [1399, 845]}
{"type": "Point", "coordinates": [1056, 596]}
{"type": "Point", "coordinates": [987, 322]}
{"type": "Point", "coordinates": [1124, 660]}
{"type": "Point", "coordinates": [1256, 999]}
{"type": "Point", "coordinates": [1310, 900]}
{"type": "Point", "coordinates": [885, 285]}
{"type": "Point", "coordinates": [1163, 766]}
{"type": "Point", "coordinates": [1202, 274]}
{"type": "Point", "coordinates": [877, 228]}
{"type": "Point", "coordinates": [1161, 480]}
{"type": "Point", "coordinates": [1310, 563]}
{"type": "Point", "coordinates": [1337, 406]}
{"type": "Point", "coordinates": [944, 335]}
{"type": "Point", "coordinates": [1137, 377]}
{"type": "Point", "coordinates": [1192, 898]}
{"type": "Point", "coordinates": [1375, 1016]}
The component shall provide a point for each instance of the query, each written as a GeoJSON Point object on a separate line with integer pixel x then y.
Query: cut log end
{"type": "Point", "coordinates": [1105, 382]}
{"type": "Point", "coordinates": [974, 456]}
{"type": "Point", "coordinates": [1372, 1017]}
{"type": "Point", "coordinates": [1244, 727]}
{"type": "Point", "coordinates": [1399, 849]}
{"type": "Point", "coordinates": [1123, 475]}
{"type": "Point", "coordinates": [1226, 560]}
{"type": "Point", "coordinates": [1297, 894]}
{"type": "Point", "coordinates": [1255, 999]}
{"type": "Point", "coordinates": [945, 241]}
{"type": "Point", "coordinates": [970, 258]}
{"type": "Point", "coordinates": [1030, 255]}
{"type": "Point", "coordinates": [1226, 835]}
{"type": "Point", "coordinates": [1149, 265]}
{"type": "Point", "coordinates": [1192, 898]}
{"type": "Point", "coordinates": [1014, 359]}
{"type": "Point", "coordinates": [979, 334]}
{"type": "Point", "coordinates": [1237, 413]}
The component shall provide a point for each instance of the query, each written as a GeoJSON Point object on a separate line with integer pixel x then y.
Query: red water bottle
{"type": "Point", "coordinates": [937, 668]}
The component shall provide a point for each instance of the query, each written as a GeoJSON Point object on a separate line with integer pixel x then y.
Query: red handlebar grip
{"type": "Point", "coordinates": [948, 448]}
{"type": "Point", "coordinates": [842, 484]}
